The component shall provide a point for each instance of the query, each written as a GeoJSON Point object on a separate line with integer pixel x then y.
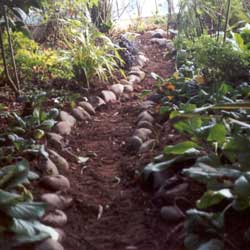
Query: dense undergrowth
{"type": "Point", "coordinates": [207, 100]}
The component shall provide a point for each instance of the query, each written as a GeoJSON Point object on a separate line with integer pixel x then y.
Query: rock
{"type": "Point", "coordinates": [162, 42]}
{"type": "Point", "coordinates": [128, 88]}
{"type": "Point", "coordinates": [56, 218]}
{"type": "Point", "coordinates": [134, 143]}
{"type": "Point", "coordinates": [148, 145]}
{"type": "Point", "coordinates": [61, 233]}
{"type": "Point", "coordinates": [59, 161]}
{"type": "Point", "coordinates": [88, 107]}
{"type": "Point", "coordinates": [144, 124]}
{"type": "Point", "coordinates": [143, 133]}
{"type": "Point", "coordinates": [49, 244]}
{"type": "Point", "coordinates": [118, 89]}
{"type": "Point", "coordinates": [145, 116]}
{"type": "Point", "coordinates": [157, 35]}
{"type": "Point", "coordinates": [135, 68]}
{"type": "Point", "coordinates": [108, 96]}
{"type": "Point", "coordinates": [134, 79]}
{"type": "Point", "coordinates": [142, 60]}
{"type": "Point", "coordinates": [57, 201]}
{"type": "Point", "coordinates": [97, 102]}
{"type": "Point", "coordinates": [125, 82]}
{"type": "Point", "coordinates": [66, 117]}
{"type": "Point", "coordinates": [63, 128]}
{"type": "Point", "coordinates": [139, 73]}
{"type": "Point", "coordinates": [172, 214]}
{"type": "Point", "coordinates": [173, 192]}
{"type": "Point", "coordinates": [146, 105]}
{"type": "Point", "coordinates": [55, 140]}
{"type": "Point", "coordinates": [80, 114]}
{"type": "Point", "coordinates": [48, 167]}
{"type": "Point", "coordinates": [56, 182]}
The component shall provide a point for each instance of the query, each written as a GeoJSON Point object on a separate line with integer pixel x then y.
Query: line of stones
{"type": "Point", "coordinates": [55, 167]}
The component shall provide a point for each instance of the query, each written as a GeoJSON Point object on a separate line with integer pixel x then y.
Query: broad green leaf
{"type": "Point", "coordinates": [48, 124]}
{"type": "Point", "coordinates": [24, 239]}
{"type": "Point", "coordinates": [217, 133]}
{"type": "Point", "coordinates": [54, 113]}
{"type": "Point", "coordinates": [211, 198]}
{"type": "Point", "coordinates": [19, 120]}
{"type": "Point", "coordinates": [32, 228]}
{"type": "Point", "coordinates": [186, 147]}
{"type": "Point", "coordinates": [7, 198]}
{"type": "Point", "coordinates": [13, 175]}
{"type": "Point", "coordinates": [204, 173]}
{"type": "Point", "coordinates": [26, 210]}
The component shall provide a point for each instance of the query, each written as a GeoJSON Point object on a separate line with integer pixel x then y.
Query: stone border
{"type": "Point", "coordinates": [55, 164]}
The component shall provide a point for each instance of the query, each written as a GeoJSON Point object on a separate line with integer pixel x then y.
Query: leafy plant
{"type": "Point", "coordinates": [19, 213]}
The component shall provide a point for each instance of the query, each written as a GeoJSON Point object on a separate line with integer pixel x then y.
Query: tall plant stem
{"type": "Point", "coordinates": [17, 82]}
{"type": "Point", "coordinates": [227, 19]}
{"type": "Point", "coordinates": [6, 71]}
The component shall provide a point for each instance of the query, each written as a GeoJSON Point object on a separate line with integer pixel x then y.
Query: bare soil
{"type": "Point", "coordinates": [110, 210]}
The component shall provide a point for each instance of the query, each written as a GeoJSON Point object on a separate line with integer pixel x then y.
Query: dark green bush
{"type": "Point", "coordinates": [221, 61]}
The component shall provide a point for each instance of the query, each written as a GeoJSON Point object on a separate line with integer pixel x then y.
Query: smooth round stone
{"type": "Point", "coordinates": [146, 105]}
{"type": "Point", "coordinates": [139, 73]}
{"type": "Point", "coordinates": [171, 214]}
{"type": "Point", "coordinates": [48, 167]}
{"type": "Point", "coordinates": [56, 218]}
{"type": "Point", "coordinates": [118, 89]}
{"type": "Point", "coordinates": [55, 140]}
{"type": "Point", "coordinates": [80, 114]}
{"type": "Point", "coordinates": [59, 161]}
{"type": "Point", "coordinates": [61, 234]}
{"type": "Point", "coordinates": [66, 117]}
{"type": "Point", "coordinates": [134, 79]}
{"type": "Point", "coordinates": [108, 96]}
{"type": "Point", "coordinates": [57, 201]}
{"type": "Point", "coordinates": [125, 82]}
{"type": "Point", "coordinates": [56, 182]}
{"type": "Point", "coordinates": [128, 88]}
{"type": "Point", "coordinates": [148, 145]}
{"type": "Point", "coordinates": [97, 102]}
{"type": "Point", "coordinates": [88, 107]}
{"type": "Point", "coordinates": [134, 143]}
{"type": "Point", "coordinates": [63, 128]}
{"type": "Point", "coordinates": [135, 68]}
{"type": "Point", "coordinates": [144, 124]}
{"type": "Point", "coordinates": [143, 133]}
{"type": "Point", "coordinates": [49, 244]}
{"type": "Point", "coordinates": [145, 116]}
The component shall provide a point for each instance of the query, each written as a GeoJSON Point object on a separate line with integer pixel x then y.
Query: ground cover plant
{"type": "Point", "coordinates": [207, 101]}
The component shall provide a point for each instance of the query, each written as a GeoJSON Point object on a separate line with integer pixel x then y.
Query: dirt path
{"type": "Point", "coordinates": [110, 210]}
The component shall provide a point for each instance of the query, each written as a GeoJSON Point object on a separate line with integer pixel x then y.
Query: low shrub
{"type": "Point", "coordinates": [221, 61]}
{"type": "Point", "coordinates": [33, 61]}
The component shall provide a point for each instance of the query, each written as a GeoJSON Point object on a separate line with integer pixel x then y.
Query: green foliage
{"type": "Point", "coordinates": [19, 213]}
{"type": "Point", "coordinates": [215, 57]}
{"type": "Point", "coordinates": [204, 103]}
{"type": "Point", "coordinates": [35, 62]}
{"type": "Point", "coordinates": [93, 54]}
